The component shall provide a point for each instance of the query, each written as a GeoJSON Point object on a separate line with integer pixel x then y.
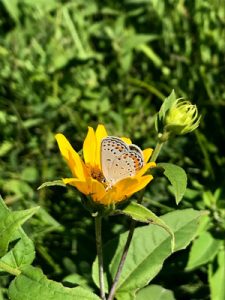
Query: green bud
{"type": "Point", "coordinates": [182, 117]}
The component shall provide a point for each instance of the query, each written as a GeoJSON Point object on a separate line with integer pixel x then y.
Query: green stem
{"type": "Point", "coordinates": [9, 269]}
{"type": "Point", "coordinates": [98, 233]}
{"type": "Point", "coordinates": [122, 260]}
{"type": "Point", "coordinates": [131, 232]}
{"type": "Point", "coordinates": [156, 151]}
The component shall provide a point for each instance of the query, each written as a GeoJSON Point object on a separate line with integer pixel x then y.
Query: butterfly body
{"type": "Point", "coordinates": [119, 159]}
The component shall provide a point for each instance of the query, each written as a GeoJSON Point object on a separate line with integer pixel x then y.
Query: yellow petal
{"type": "Point", "coordinates": [126, 140]}
{"type": "Point", "coordinates": [127, 187]}
{"type": "Point", "coordinates": [144, 169]}
{"type": "Point", "coordinates": [100, 134]}
{"type": "Point", "coordinates": [80, 185]}
{"type": "Point", "coordinates": [97, 190]}
{"type": "Point", "coordinates": [125, 184]}
{"type": "Point", "coordinates": [121, 190]}
{"type": "Point", "coordinates": [142, 182]}
{"type": "Point", "coordinates": [110, 197]}
{"type": "Point", "coordinates": [90, 187]}
{"type": "Point", "coordinates": [147, 154]}
{"type": "Point", "coordinates": [71, 156]}
{"type": "Point", "coordinates": [89, 147]}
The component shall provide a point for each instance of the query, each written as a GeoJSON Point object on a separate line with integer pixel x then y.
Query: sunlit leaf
{"type": "Point", "coordinates": [155, 292]}
{"type": "Point", "coordinates": [177, 177]}
{"type": "Point", "coordinates": [217, 278]}
{"type": "Point", "coordinates": [142, 214]}
{"type": "Point", "coordinates": [10, 223]}
{"type": "Point", "coordinates": [203, 250]}
{"type": "Point", "coordinates": [33, 284]}
{"type": "Point", "coordinates": [149, 248]}
{"type": "Point", "coordinates": [22, 254]}
{"type": "Point", "coordinates": [51, 183]}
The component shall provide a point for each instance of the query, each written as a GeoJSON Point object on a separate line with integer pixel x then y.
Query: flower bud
{"type": "Point", "coordinates": [182, 117]}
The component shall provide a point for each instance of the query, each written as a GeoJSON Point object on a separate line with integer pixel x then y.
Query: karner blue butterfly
{"type": "Point", "coordinates": [119, 160]}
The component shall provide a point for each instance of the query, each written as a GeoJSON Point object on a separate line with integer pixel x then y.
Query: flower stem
{"type": "Point", "coordinates": [9, 269]}
{"type": "Point", "coordinates": [131, 232]}
{"type": "Point", "coordinates": [98, 233]}
{"type": "Point", "coordinates": [156, 151]}
{"type": "Point", "coordinates": [122, 260]}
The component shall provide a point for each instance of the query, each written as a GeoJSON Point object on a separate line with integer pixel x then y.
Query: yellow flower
{"type": "Point", "coordinates": [88, 177]}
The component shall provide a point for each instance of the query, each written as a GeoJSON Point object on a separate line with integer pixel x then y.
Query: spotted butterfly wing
{"type": "Point", "coordinates": [119, 160]}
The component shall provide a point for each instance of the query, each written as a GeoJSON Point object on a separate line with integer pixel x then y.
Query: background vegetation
{"type": "Point", "coordinates": [65, 65]}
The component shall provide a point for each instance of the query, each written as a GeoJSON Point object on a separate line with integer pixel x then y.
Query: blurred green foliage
{"type": "Point", "coordinates": [68, 64]}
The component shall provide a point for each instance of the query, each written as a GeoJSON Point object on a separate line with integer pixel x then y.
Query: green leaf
{"type": "Point", "coordinates": [151, 54]}
{"type": "Point", "coordinates": [177, 177]}
{"type": "Point", "coordinates": [22, 254]}
{"type": "Point", "coordinates": [126, 296]}
{"type": "Point", "coordinates": [77, 280]}
{"type": "Point", "coordinates": [142, 214]}
{"type": "Point", "coordinates": [33, 284]}
{"type": "Point", "coordinates": [47, 221]}
{"type": "Point", "coordinates": [203, 250]}
{"type": "Point", "coordinates": [29, 174]}
{"type": "Point", "coordinates": [4, 211]}
{"type": "Point", "coordinates": [5, 147]}
{"type": "Point", "coordinates": [163, 110]}
{"type": "Point", "coordinates": [217, 278]}
{"type": "Point", "coordinates": [12, 8]}
{"type": "Point", "coordinates": [155, 292]}
{"type": "Point", "coordinates": [51, 183]}
{"type": "Point", "coordinates": [10, 224]}
{"type": "Point", "coordinates": [149, 248]}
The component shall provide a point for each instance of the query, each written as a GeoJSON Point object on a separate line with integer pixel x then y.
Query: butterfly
{"type": "Point", "coordinates": [119, 160]}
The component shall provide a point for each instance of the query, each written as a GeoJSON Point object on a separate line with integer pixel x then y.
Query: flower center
{"type": "Point", "coordinates": [97, 174]}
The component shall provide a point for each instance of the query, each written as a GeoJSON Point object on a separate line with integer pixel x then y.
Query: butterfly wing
{"type": "Point", "coordinates": [111, 148]}
{"type": "Point", "coordinates": [119, 160]}
{"type": "Point", "coordinates": [128, 164]}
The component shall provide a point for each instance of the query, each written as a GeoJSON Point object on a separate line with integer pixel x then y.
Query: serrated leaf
{"type": "Point", "coordinates": [155, 292]}
{"type": "Point", "coordinates": [142, 214]}
{"type": "Point", "coordinates": [177, 177]}
{"type": "Point", "coordinates": [51, 183]}
{"type": "Point", "coordinates": [22, 254]}
{"type": "Point", "coordinates": [10, 223]}
{"type": "Point", "coordinates": [33, 284]}
{"type": "Point", "coordinates": [149, 248]}
{"type": "Point", "coordinates": [203, 250]}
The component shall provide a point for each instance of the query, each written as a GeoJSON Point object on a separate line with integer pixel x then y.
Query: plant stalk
{"type": "Point", "coordinates": [131, 232]}
{"type": "Point", "coordinates": [98, 234]}
{"type": "Point", "coordinates": [122, 260]}
{"type": "Point", "coordinates": [156, 151]}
